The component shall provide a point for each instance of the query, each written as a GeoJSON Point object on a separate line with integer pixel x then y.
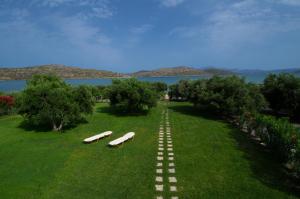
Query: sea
{"type": "Point", "coordinates": [18, 85]}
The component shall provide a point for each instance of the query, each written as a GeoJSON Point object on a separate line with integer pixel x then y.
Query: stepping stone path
{"type": "Point", "coordinates": [165, 166]}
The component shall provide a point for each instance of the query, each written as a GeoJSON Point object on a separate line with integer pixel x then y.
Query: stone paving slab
{"type": "Point", "coordinates": [159, 187]}
{"type": "Point", "coordinates": [172, 179]}
{"type": "Point", "coordinates": [159, 179]}
{"type": "Point", "coordinates": [173, 188]}
{"type": "Point", "coordinates": [171, 164]}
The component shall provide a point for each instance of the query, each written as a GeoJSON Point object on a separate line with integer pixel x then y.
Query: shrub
{"type": "Point", "coordinates": [283, 93]}
{"type": "Point", "coordinates": [131, 95]}
{"type": "Point", "coordinates": [226, 95]}
{"type": "Point", "coordinates": [6, 104]}
{"type": "Point", "coordinates": [279, 135]}
{"type": "Point", "coordinates": [84, 98]}
{"type": "Point", "coordinates": [173, 92]}
{"type": "Point", "coordinates": [159, 87]}
{"type": "Point", "coordinates": [98, 92]}
{"type": "Point", "coordinates": [48, 101]}
{"type": "Point", "coordinates": [180, 91]}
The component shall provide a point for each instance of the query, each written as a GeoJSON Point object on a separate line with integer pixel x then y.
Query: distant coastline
{"type": "Point", "coordinates": [77, 73]}
{"type": "Point", "coordinates": [70, 72]}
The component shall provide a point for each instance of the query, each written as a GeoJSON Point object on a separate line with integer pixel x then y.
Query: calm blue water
{"type": "Point", "coordinates": [17, 85]}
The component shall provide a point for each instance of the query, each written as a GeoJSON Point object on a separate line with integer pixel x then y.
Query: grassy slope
{"type": "Point", "coordinates": [212, 160]}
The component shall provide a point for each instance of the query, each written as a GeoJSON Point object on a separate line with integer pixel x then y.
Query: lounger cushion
{"type": "Point", "coordinates": [97, 137]}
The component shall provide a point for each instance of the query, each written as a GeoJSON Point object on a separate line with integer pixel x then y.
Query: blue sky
{"type": "Point", "coordinates": [130, 35]}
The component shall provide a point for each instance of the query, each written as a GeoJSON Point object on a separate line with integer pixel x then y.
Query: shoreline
{"type": "Point", "coordinates": [204, 75]}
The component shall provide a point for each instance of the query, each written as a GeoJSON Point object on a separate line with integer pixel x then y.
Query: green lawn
{"type": "Point", "coordinates": [212, 159]}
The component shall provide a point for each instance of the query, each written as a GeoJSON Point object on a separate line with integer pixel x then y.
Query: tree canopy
{"type": "Point", "coordinates": [283, 93]}
{"type": "Point", "coordinates": [180, 91]}
{"type": "Point", "coordinates": [131, 95]}
{"type": "Point", "coordinates": [159, 87]}
{"type": "Point", "coordinates": [48, 101]}
{"type": "Point", "coordinates": [228, 95]}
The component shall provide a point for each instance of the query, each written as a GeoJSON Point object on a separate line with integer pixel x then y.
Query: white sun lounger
{"type": "Point", "coordinates": [97, 137]}
{"type": "Point", "coordinates": [122, 139]}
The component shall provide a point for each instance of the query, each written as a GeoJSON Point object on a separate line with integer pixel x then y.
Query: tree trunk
{"type": "Point", "coordinates": [57, 128]}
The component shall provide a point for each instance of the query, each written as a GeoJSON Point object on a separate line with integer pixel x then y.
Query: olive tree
{"type": "Point", "coordinates": [131, 95]}
{"type": "Point", "coordinates": [227, 95]}
{"type": "Point", "coordinates": [180, 91]}
{"type": "Point", "coordinates": [48, 101]}
{"type": "Point", "coordinates": [282, 91]}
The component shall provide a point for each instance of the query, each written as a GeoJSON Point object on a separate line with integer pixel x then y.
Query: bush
{"type": "Point", "coordinates": [131, 95]}
{"type": "Point", "coordinates": [226, 95]}
{"type": "Point", "coordinates": [159, 87]}
{"type": "Point", "coordinates": [180, 91]}
{"type": "Point", "coordinates": [6, 104]}
{"type": "Point", "coordinates": [48, 101]}
{"type": "Point", "coordinates": [283, 93]}
{"type": "Point", "coordinates": [278, 135]}
{"type": "Point", "coordinates": [84, 98]}
{"type": "Point", "coordinates": [98, 92]}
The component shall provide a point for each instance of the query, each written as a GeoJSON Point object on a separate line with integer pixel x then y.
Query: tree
{"type": "Point", "coordinates": [184, 89]}
{"type": "Point", "coordinates": [283, 93]}
{"type": "Point", "coordinates": [131, 95]}
{"type": "Point", "coordinates": [159, 87]}
{"type": "Point", "coordinates": [227, 95]}
{"type": "Point", "coordinates": [98, 92]}
{"type": "Point", "coordinates": [180, 91]}
{"type": "Point", "coordinates": [84, 98]}
{"type": "Point", "coordinates": [173, 92]}
{"type": "Point", "coordinates": [48, 101]}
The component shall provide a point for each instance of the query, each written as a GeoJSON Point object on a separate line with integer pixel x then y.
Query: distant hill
{"type": "Point", "coordinates": [68, 72]}
{"type": "Point", "coordinates": [295, 71]}
{"type": "Point", "coordinates": [62, 71]}
{"type": "Point", "coordinates": [180, 70]}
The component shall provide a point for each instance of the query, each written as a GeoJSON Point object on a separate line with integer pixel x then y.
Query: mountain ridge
{"type": "Point", "coordinates": [180, 70]}
{"type": "Point", "coordinates": [66, 72]}
{"type": "Point", "coordinates": [72, 72]}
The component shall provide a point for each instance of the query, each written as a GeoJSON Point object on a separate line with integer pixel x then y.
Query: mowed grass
{"type": "Point", "coordinates": [212, 159]}
{"type": "Point", "coordinates": [215, 160]}
{"type": "Point", "coordinates": [58, 165]}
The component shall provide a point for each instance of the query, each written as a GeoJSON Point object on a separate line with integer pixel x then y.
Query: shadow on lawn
{"type": "Point", "coordinates": [28, 126]}
{"type": "Point", "coordinates": [191, 110]}
{"type": "Point", "coordinates": [117, 112]}
{"type": "Point", "coordinates": [265, 166]}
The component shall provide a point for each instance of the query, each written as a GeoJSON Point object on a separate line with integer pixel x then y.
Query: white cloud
{"type": "Point", "coordinates": [72, 39]}
{"type": "Point", "coordinates": [88, 8]}
{"type": "Point", "coordinates": [20, 13]}
{"type": "Point", "coordinates": [236, 26]}
{"type": "Point", "coordinates": [78, 32]}
{"type": "Point", "coordinates": [137, 33]}
{"type": "Point", "coordinates": [289, 2]}
{"type": "Point", "coordinates": [171, 3]}
{"type": "Point", "coordinates": [141, 29]}
{"type": "Point", "coordinates": [53, 3]}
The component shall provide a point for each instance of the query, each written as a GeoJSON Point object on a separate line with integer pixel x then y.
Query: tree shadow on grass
{"type": "Point", "coordinates": [29, 127]}
{"type": "Point", "coordinates": [193, 111]}
{"type": "Point", "coordinates": [265, 166]}
{"type": "Point", "coordinates": [117, 112]}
